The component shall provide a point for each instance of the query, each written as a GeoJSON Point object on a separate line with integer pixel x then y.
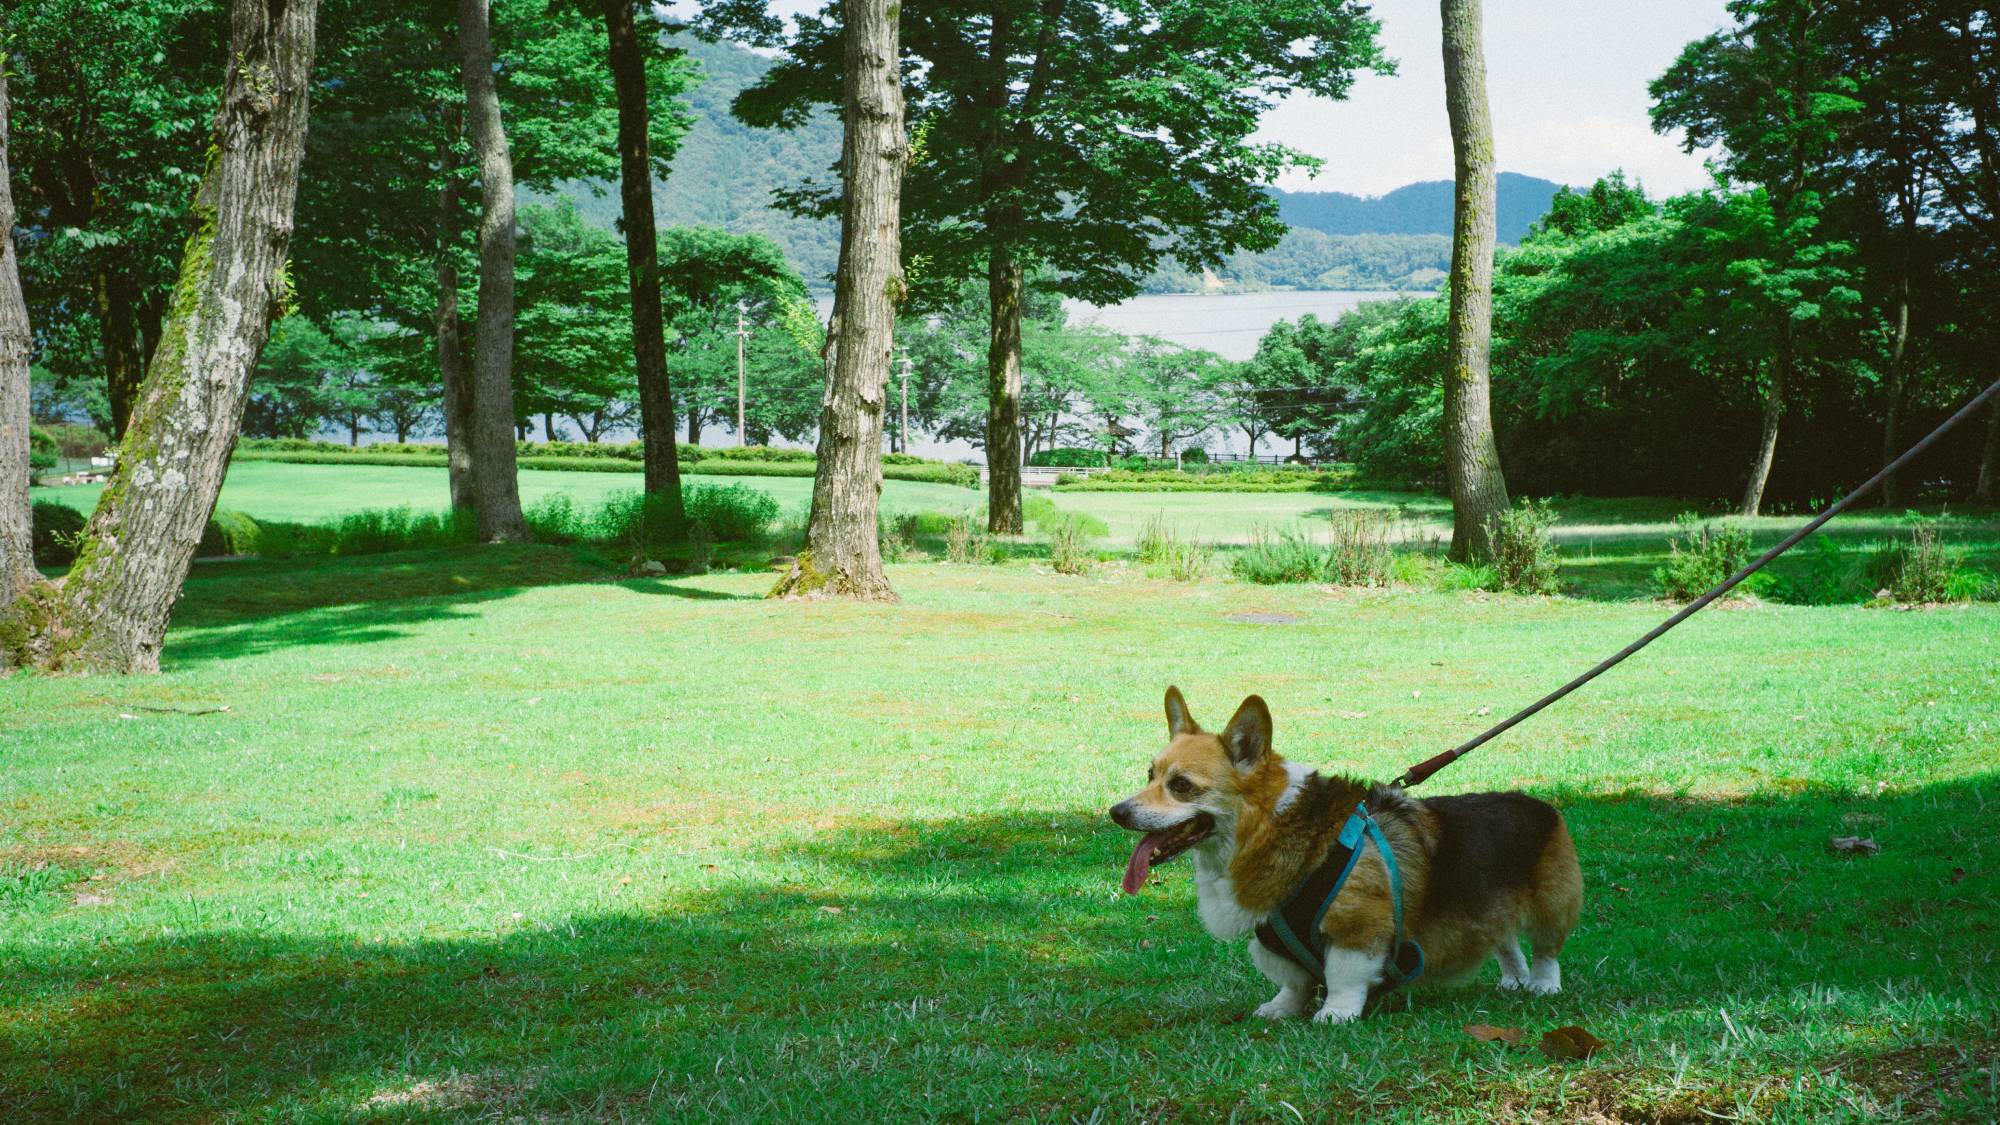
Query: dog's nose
{"type": "Point", "coordinates": [1121, 814]}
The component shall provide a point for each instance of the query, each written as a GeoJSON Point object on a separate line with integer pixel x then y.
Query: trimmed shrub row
{"type": "Point", "coordinates": [894, 467]}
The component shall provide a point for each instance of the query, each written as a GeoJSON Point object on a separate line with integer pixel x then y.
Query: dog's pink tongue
{"type": "Point", "coordinates": [1142, 861]}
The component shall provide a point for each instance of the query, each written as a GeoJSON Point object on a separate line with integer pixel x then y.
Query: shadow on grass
{"type": "Point", "coordinates": [253, 606]}
{"type": "Point", "coordinates": [946, 968]}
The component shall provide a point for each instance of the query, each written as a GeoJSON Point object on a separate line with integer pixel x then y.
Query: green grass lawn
{"type": "Point", "coordinates": [311, 493]}
{"type": "Point", "coordinates": [486, 832]}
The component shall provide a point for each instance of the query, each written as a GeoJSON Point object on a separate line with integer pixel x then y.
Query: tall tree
{"type": "Point", "coordinates": [17, 548]}
{"type": "Point", "coordinates": [635, 182]}
{"type": "Point", "coordinates": [1775, 95]}
{"type": "Point", "coordinates": [110, 611]}
{"type": "Point", "coordinates": [1083, 141]}
{"type": "Point", "coordinates": [496, 493]}
{"type": "Point", "coordinates": [843, 555]}
{"type": "Point", "coordinates": [1471, 456]}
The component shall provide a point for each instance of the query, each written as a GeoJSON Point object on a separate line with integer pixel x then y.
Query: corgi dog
{"type": "Point", "coordinates": [1476, 871]}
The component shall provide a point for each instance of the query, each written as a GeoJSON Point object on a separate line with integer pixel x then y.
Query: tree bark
{"type": "Point", "coordinates": [1005, 280]}
{"type": "Point", "coordinates": [1472, 459]}
{"type": "Point", "coordinates": [642, 260]}
{"type": "Point", "coordinates": [496, 491]}
{"type": "Point", "coordinates": [110, 612]}
{"type": "Point", "coordinates": [694, 425]}
{"type": "Point", "coordinates": [17, 542]}
{"type": "Point", "coordinates": [1892, 416]}
{"type": "Point", "coordinates": [452, 370]}
{"type": "Point", "coordinates": [118, 338]}
{"type": "Point", "coordinates": [1988, 490]}
{"type": "Point", "coordinates": [1774, 413]}
{"type": "Point", "coordinates": [843, 555]}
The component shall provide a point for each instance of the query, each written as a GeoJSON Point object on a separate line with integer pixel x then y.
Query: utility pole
{"type": "Point", "coordinates": [905, 446]}
{"type": "Point", "coordinates": [741, 308]}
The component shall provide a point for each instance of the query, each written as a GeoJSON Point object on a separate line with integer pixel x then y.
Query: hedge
{"type": "Point", "coordinates": [1167, 480]}
{"type": "Point", "coordinates": [895, 467]}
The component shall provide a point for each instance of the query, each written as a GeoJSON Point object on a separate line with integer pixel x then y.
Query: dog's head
{"type": "Point", "coordinates": [1195, 787]}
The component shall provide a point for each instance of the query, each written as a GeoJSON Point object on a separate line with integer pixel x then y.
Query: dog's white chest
{"type": "Point", "coordinates": [1215, 897]}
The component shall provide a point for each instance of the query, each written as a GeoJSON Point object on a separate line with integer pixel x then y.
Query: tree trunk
{"type": "Point", "coordinates": [17, 545]}
{"type": "Point", "coordinates": [496, 495]}
{"type": "Point", "coordinates": [118, 338]}
{"type": "Point", "coordinates": [452, 371]}
{"type": "Point", "coordinates": [1988, 490]}
{"type": "Point", "coordinates": [694, 424]}
{"type": "Point", "coordinates": [1774, 412]}
{"type": "Point", "coordinates": [1892, 416]}
{"type": "Point", "coordinates": [843, 555]}
{"type": "Point", "coordinates": [110, 612]}
{"type": "Point", "coordinates": [1005, 279]}
{"type": "Point", "coordinates": [548, 427]}
{"type": "Point", "coordinates": [642, 261]}
{"type": "Point", "coordinates": [1472, 459]}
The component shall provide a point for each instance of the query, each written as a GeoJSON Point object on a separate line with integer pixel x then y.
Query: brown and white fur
{"type": "Point", "coordinates": [1478, 870]}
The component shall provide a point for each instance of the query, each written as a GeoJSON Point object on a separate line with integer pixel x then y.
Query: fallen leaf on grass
{"type": "Point", "coordinates": [1855, 845]}
{"type": "Point", "coordinates": [1487, 1033]}
{"type": "Point", "coordinates": [830, 910]}
{"type": "Point", "coordinates": [1957, 875]}
{"type": "Point", "coordinates": [1570, 1042]}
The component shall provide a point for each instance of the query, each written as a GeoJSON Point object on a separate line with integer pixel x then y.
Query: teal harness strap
{"type": "Point", "coordinates": [1294, 934]}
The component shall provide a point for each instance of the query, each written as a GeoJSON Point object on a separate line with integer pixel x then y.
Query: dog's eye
{"type": "Point", "coordinates": [1180, 787]}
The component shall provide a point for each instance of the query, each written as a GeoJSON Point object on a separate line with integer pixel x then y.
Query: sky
{"type": "Point", "coordinates": [1568, 85]}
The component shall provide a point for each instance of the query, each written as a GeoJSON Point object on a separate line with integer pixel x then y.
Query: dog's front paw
{"type": "Point", "coordinates": [1331, 1014]}
{"type": "Point", "coordinates": [1541, 987]}
{"type": "Point", "coordinates": [1513, 984]}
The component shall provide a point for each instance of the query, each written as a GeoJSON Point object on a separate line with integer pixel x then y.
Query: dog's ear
{"type": "Point", "coordinates": [1248, 735]}
{"type": "Point", "coordinates": [1179, 722]}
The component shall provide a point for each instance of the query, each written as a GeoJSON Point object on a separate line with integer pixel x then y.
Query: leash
{"type": "Point", "coordinates": [1416, 774]}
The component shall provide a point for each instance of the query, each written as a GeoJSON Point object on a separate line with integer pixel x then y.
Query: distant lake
{"type": "Point", "coordinates": [1228, 324]}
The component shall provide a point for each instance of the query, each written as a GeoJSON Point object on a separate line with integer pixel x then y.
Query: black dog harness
{"type": "Point", "coordinates": [1292, 930]}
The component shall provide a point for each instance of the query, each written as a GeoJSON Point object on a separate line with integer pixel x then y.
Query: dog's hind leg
{"type": "Point", "coordinates": [1513, 966]}
{"type": "Point", "coordinates": [1350, 973]}
{"type": "Point", "coordinates": [1295, 987]}
{"type": "Point", "coordinates": [1553, 911]}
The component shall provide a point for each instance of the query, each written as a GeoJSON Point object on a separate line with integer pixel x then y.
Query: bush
{"type": "Point", "coordinates": [701, 548]}
{"type": "Point", "coordinates": [1524, 555]}
{"type": "Point", "coordinates": [1069, 458]}
{"type": "Point", "coordinates": [1699, 555]}
{"type": "Point", "coordinates": [749, 461]}
{"type": "Point", "coordinates": [228, 533]}
{"type": "Point", "coordinates": [1042, 513]}
{"type": "Point", "coordinates": [43, 451]}
{"type": "Point", "coordinates": [897, 535]}
{"type": "Point", "coordinates": [1289, 556]}
{"type": "Point", "coordinates": [78, 443]}
{"type": "Point", "coordinates": [1069, 545]}
{"type": "Point", "coordinates": [1186, 560]}
{"type": "Point", "coordinates": [55, 532]}
{"type": "Point", "coordinates": [1827, 576]}
{"type": "Point", "coordinates": [1216, 479]}
{"type": "Point", "coordinates": [1358, 554]}
{"type": "Point", "coordinates": [1922, 570]}
{"type": "Point", "coordinates": [735, 513]}
{"type": "Point", "coordinates": [1157, 539]}
{"type": "Point", "coordinates": [964, 543]}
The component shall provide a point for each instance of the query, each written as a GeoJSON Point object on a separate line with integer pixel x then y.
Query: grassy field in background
{"type": "Point", "coordinates": [1610, 547]}
{"type": "Point", "coordinates": [489, 832]}
{"type": "Point", "coordinates": [309, 493]}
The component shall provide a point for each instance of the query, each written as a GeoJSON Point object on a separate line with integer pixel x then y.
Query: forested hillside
{"type": "Point", "coordinates": [1420, 208]}
{"type": "Point", "coordinates": [726, 174]}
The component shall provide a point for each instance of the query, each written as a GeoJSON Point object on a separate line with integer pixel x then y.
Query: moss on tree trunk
{"type": "Point", "coordinates": [110, 612]}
